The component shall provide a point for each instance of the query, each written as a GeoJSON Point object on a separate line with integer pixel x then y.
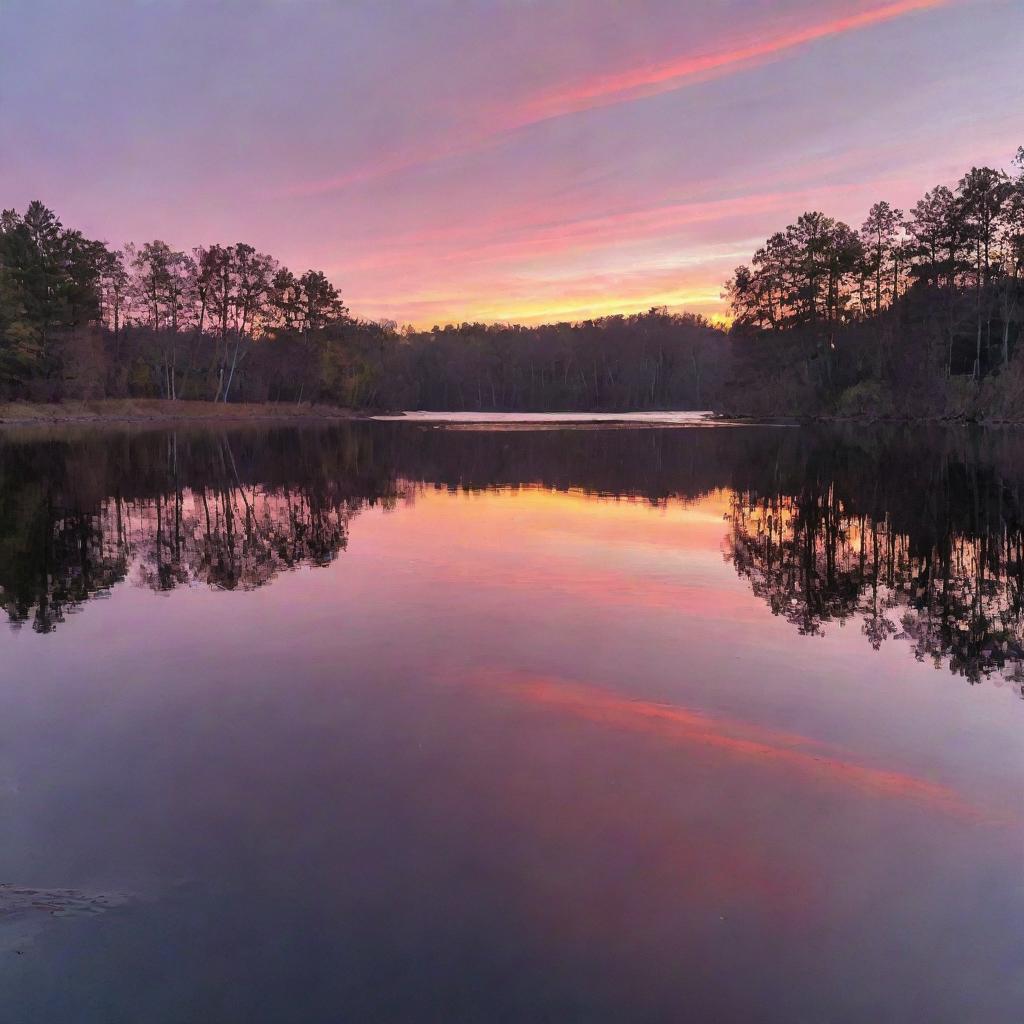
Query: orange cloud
{"type": "Point", "coordinates": [576, 303]}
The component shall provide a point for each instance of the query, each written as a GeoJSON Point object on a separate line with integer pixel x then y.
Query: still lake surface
{"type": "Point", "coordinates": [395, 722]}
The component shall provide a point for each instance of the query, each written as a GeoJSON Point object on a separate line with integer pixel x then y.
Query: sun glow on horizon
{"type": "Point", "coordinates": [586, 161]}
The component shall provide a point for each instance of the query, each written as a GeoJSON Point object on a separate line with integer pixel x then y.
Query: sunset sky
{"type": "Point", "coordinates": [447, 160]}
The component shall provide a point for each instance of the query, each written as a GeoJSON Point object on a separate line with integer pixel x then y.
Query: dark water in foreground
{"type": "Point", "coordinates": [394, 723]}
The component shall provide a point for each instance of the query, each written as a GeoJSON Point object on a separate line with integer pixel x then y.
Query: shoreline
{"type": "Point", "coordinates": [156, 412]}
{"type": "Point", "coordinates": [159, 411]}
{"type": "Point", "coordinates": [869, 421]}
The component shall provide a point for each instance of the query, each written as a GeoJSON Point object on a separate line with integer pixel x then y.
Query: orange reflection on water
{"type": "Point", "coordinates": [587, 554]}
{"type": "Point", "coordinates": [742, 740]}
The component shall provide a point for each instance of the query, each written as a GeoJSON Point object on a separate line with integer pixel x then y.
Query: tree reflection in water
{"type": "Point", "coordinates": [814, 562]}
{"type": "Point", "coordinates": [918, 539]}
{"type": "Point", "coordinates": [915, 535]}
{"type": "Point", "coordinates": [227, 510]}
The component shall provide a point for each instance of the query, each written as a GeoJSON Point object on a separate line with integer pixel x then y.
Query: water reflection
{"type": "Point", "coordinates": [521, 739]}
{"type": "Point", "coordinates": [916, 536]}
{"type": "Point", "coordinates": [957, 601]}
{"type": "Point", "coordinates": [78, 516]}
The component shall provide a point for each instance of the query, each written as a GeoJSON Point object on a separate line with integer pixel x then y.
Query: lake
{"type": "Point", "coordinates": [396, 722]}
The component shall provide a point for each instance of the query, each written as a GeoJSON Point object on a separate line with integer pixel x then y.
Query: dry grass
{"type": "Point", "coordinates": [156, 410]}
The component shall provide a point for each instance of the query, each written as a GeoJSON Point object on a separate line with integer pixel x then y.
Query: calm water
{"type": "Point", "coordinates": [553, 418]}
{"type": "Point", "coordinates": [390, 722]}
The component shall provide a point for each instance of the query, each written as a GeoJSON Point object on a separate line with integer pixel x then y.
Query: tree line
{"type": "Point", "coordinates": [916, 313]}
{"type": "Point", "coordinates": [924, 306]}
{"type": "Point", "coordinates": [80, 319]}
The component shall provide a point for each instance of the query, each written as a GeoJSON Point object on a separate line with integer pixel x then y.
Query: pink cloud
{"type": "Point", "coordinates": [622, 86]}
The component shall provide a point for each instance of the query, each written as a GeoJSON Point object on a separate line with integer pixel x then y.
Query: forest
{"type": "Point", "coordinates": [916, 314]}
{"type": "Point", "coordinates": [227, 323]}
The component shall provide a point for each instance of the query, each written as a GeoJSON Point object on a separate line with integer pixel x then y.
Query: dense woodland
{"type": "Point", "coordinates": [227, 323]}
{"type": "Point", "coordinates": [917, 313]}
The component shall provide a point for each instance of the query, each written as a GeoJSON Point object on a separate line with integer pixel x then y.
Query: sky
{"type": "Point", "coordinates": [498, 160]}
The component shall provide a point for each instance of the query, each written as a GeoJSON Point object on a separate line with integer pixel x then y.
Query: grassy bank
{"type": "Point", "coordinates": [156, 410]}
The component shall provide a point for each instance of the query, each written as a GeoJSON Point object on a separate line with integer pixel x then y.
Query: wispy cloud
{"type": "Point", "coordinates": [637, 82]}
{"type": "Point", "coordinates": [617, 87]}
{"type": "Point", "coordinates": [522, 236]}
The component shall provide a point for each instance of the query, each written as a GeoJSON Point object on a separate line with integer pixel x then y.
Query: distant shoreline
{"type": "Point", "coordinates": [160, 411]}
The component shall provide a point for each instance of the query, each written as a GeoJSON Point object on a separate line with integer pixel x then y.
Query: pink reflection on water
{"type": "Point", "coordinates": [766, 748]}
